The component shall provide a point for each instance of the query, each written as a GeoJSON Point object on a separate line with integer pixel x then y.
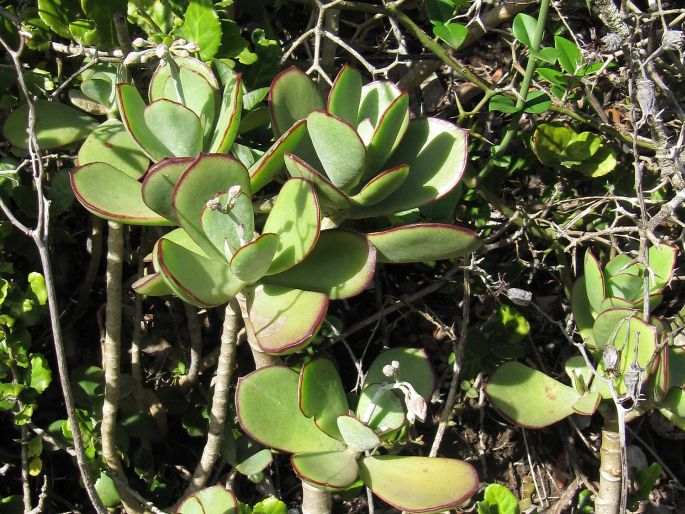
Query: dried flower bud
{"type": "Point", "coordinates": [132, 58]}
{"type": "Point", "coordinates": [139, 42]}
{"type": "Point", "coordinates": [416, 407]}
{"type": "Point", "coordinates": [612, 42]}
{"type": "Point", "coordinates": [519, 296]}
{"type": "Point", "coordinates": [672, 40]}
{"type": "Point", "coordinates": [610, 358]}
{"type": "Point", "coordinates": [161, 51]}
{"type": "Point", "coordinates": [646, 97]}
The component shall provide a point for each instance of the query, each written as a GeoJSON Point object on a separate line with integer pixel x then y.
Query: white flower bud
{"type": "Point", "coordinates": [161, 51]}
{"type": "Point", "coordinates": [132, 58]}
{"type": "Point", "coordinates": [139, 42]}
{"type": "Point", "coordinates": [388, 370]}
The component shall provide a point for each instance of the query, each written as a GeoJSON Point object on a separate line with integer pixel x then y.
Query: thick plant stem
{"type": "Point", "coordinates": [315, 501]}
{"type": "Point", "coordinates": [609, 493]}
{"type": "Point", "coordinates": [222, 385]}
{"type": "Point", "coordinates": [195, 330]}
{"type": "Point", "coordinates": [111, 360]}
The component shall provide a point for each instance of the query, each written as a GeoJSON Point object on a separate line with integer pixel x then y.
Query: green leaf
{"type": "Point", "coordinates": [587, 404]}
{"type": "Point", "coordinates": [295, 219]}
{"type": "Point", "coordinates": [152, 285]}
{"type": "Point", "coordinates": [255, 463]}
{"type": "Point", "coordinates": [327, 192]}
{"type": "Point", "coordinates": [328, 470]}
{"type": "Point", "coordinates": [502, 103]}
{"type": "Point", "coordinates": [549, 141]}
{"type": "Point", "coordinates": [375, 99]}
{"type": "Point", "coordinates": [159, 184]}
{"type": "Point", "coordinates": [58, 14]}
{"type": "Point", "coordinates": [454, 34]}
{"type": "Point", "coordinates": [208, 176]}
{"type": "Point", "coordinates": [341, 265]}
{"type": "Point", "coordinates": [582, 146]}
{"type": "Point", "coordinates": [268, 412]}
{"type": "Point", "coordinates": [569, 54]}
{"type": "Point", "coordinates": [270, 505]}
{"type": "Point", "coordinates": [284, 319]}
{"type": "Point", "coordinates": [673, 407]}
{"type": "Point", "coordinates": [528, 397]}
{"type": "Point", "coordinates": [211, 500]}
{"type": "Point", "coordinates": [56, 125]}
{"type": "Point", "coordinates": [112, 194]}
{"type": "Point", "coordinates": [501, 499]}
{"type": "Point", "coordinates": [389, 132]}
{"type": "Point", "coordinates": [419, 484]}
{"type": "Point", "coordinates": [329, 135]}
{"type": "Point", "coordinates": [381, 186]}
{"type": "Point", "coordinates": [193, 277]}
{"type": "Point", "coordinates": [523, 28]}
{"type": "Point", "coordinates": [264, 170]}
{"type": "Point", "coordinates": [40, 373]}
{"type": "Point", "coordinates": [252, 261]}
{"type": "Point", "coordinates": [582, 313]}
{"type": "Point", "coordinates": [292, 97]}
{"type": "Point", "coordinates": [662, 261]}
{"type": "Point", "coordinates": [646, 479]}
{"type": "Point", "coordinates": [547, 54]}
{"type": "Point", "coordinates": [112, 144]}
{"type": "Point", "coordinates": [356, 434]}
{"type": "Point", "coordinates": [537, 102]}
{"type": "Point", "coordinates": [440, 11]}
{"type": "Point", "coordinates": [102, 13]}
{"type": "Point", "coordinates": [229, 229]}
{"type": "Point", "coordinates": [436, 153]}
{"type": "Point", "coordinates": [423, 242]}
{"type": "Point", "coordinates": [322, 396]}
{"type": "Point", "coordinates": [603, 162]}
{"type": "Point", "coordinates": [384, 413]}
{"type": "Point", "coordinates": [107, 491]}
{"type": "Point", "coordinates": [228, 123]}
{"type": "Point", "coordinates": [414, 368]}
{"type": "Point", "coordinates": [197, 88]}
{"type": "Point", "coordinates": [202, 26]}
{"type": "Point", "coordinates": [37, 287]}
{"type": "Point", "coordinates": [594, 283]}
{"type": "Point", "coordinates": [345, 95]}
{"type": "Point", "coordinates": [141, 425]}
{"type": "Point", "coordinates": [625, 286]}
{"type": "Point", "coordinates": [166, 117]}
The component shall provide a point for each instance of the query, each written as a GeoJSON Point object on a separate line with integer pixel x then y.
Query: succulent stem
{"type": "Point", "coordinates": [315, 501]}
{"type": "Point", "coordinates": [609, 493]}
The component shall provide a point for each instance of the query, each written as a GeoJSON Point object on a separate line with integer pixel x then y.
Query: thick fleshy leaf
{"type": "Point", "coordinates": [255, 463]}
{"type": "Point", "coordinates": [436, 153]}
{"type": "Point", "coordinates": [582, 313]}
{"type": "Point", "coordinates": [252, 261]}
{"type": "Point", "coordinates": [381, 186]}
{"type": "Point", "coordinates": [291, 98]}
{"type": "Point", "coordinates": [152, 285]}
{"type": "Point", "coordinates": [229, 229]}
{"type": "Point", "coordinates": [193, 277]}
{"type": "Point", "coordinates": [579, 372]}
{"type": "Point", "coordinates": [356, 434]}
{"type": "Point", "coordinates": [295, 219]}
{"type": "Point", "coordinates": [327, 470]}
{"type": "Point", "coordinates": [328, 193]}
{"type": "Point", "coordinates": [662, 263]}
{"type": "Point", "coordinates": [228, 122]}
{"type": "Point", "coordinates": [419, 484]}
{"type": "Point", "coordinates": [112, 194]}
{"type": "Point", "coordinates": [285, 320]}
{"type": "Point", "coordinates": [195, 91]}
{"type": "Point", "coordinates": [132, 109]}
{"type": "Point", "coordinates": [528, 397]}
{"type": "Point", "coordinates": [211, 500]}
{"type": "Point", "coordinates": [594, 283]}
{"type": "Point", "coordinates": [384, 412]}
{"type": "Point", "coordinates": [164, 118]}
{"type": "Point", "coordinates": [56, 125]}
{"type": "Point", "coordinates": [619, 303]}
{"type": "Point", "coordinates": [673, 407]}
{"type": "Point", "coordinates": [622, 263]}
{"type": "Point", "coordinates": [341, 265]}
{"type": "Point", "coordinates": [269, 164]}
{"type": "Point", "coordinates": [414, 368]}
{"type": "Point", "coordinates": [268, 412]}
{"type": "Point", "coordinates": [322, 396]}
{"type": "Point", "coordinates": [587, 404]}
{"type": "Point", "coordinates": [207, 176]}
{"type": "Point", "coordinates": [625, 286]}
{"type": "Point", "coordinates": [376, 97]}
{"type": "Point", "coordinates": [388, 133]}
{"type": "Point", "coordinates": [423, 242]}
{"type": "Point", "coordinates": [112, 144]}
{"type": "Point", "coordinates": [609, 324]}
{"type": "Point", "coordinates": [163, 73]}
{"type": "Point", "coordinates": [676, 366]}
{"type": "Point", "coordinates": [338, 147]}
{"type": "Point", "coordinates": [159, 183]}
{"type": "Point", "coordinates": [660, 383]}
{"type": "Point", "coordinates": [344, 97]}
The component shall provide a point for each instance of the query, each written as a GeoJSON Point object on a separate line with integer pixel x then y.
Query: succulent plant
{"type": "Point", "coordinates": [291, 259]}
{"type": "Point", "coordinates": [211, 500]}
{"type": "Point", "coordinates": [308, 416]}
{"type": "Point", "coordinates": [628, 352]}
